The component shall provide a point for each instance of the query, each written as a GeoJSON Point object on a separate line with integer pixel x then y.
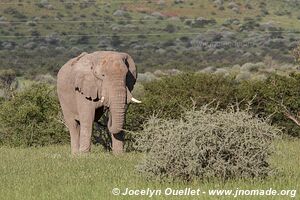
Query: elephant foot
{"type": "Point", "coordinates": [85, 149]}
{"type": "Point", "coordinates": [74, 152]}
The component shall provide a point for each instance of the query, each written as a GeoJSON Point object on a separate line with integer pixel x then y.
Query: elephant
{"type": "Point", "coordinates": [88, 86]}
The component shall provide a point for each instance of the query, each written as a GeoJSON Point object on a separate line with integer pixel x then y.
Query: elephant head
{"type": "Point", "coordinates": [109, 78]}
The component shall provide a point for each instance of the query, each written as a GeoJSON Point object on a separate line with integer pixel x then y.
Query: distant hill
{"type": "Point", "coordinates": [39, 36]}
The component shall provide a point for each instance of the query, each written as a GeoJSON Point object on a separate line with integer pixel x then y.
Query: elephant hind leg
{"type": "Point", "coordinates": [86, 110]}
{"type": "Point", "coordinates": [74, 128]}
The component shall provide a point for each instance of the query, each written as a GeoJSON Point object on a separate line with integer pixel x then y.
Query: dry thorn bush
{"type": "Point", "coordinates": [206, 144]}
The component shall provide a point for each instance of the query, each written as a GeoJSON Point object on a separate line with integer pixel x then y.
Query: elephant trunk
{"type": "Point", "coordinates": [117, 99]}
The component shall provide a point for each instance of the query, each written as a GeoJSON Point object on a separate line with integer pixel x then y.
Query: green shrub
{"type": "Point", "coordinates": [206, 144]}
{"type": "Point", "coordinates": [7, 77]}
{"type": "Point", "coordinates": [31, 118]}
{"type": "Point", "coordinates": [276, 97]}
{"type": "Point", "coordinates": [170, 28]}
{"type": "Point", "coordinates": [270, 97]}
{"type": "Point", "coordinates": [169, 95]}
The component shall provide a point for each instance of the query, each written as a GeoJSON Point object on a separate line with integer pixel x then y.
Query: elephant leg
{"type": "Point", "coordinates": [86, 118]}
{"type": "Point", "coordinates": [117, 142]}
{"type": "Point", "coordinates": [85, 138]}
{"type": "Point", "coordinates": [73, 127]}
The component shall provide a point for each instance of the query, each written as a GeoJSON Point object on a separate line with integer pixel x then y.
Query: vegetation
{"type": "Point", "coordinates": [276, 98]}
{"type": "Point", "coordinates": [30, 115]}
{"type": "Point", "coordinates": [296, 54]}
{"type": "Point", "coordinates": [243, 54]}
{"type": "Point", "coordinates": [31, 118]}
{"type": "Point", "coordinates": [44, 34]}
{"type": "Point", "coordinates": [7, 82]}
{"type": "Point", "coordinates": [52, 173]}
{"type": "Point", "coordinates": [206, 144]}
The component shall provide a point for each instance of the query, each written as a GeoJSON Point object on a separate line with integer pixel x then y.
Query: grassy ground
{"type": "Point", "coordinates": [51, 173]}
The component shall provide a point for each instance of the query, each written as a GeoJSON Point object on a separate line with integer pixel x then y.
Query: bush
{"type": "Point", "coordinates": [276, 98]}
{"type": "Point", "coordinates": [15, 13]}
{"type": "Point", "coordinates": [296, 53]}
{"type": "Point", "coordinates": [249, 24]}
{"type": "Point", "coordinates": [252, 67]}
{"type": "Point", "coordinates": [7, 78]}
{"type": "Point", "coordinates": [170, 28]}
{"type": "Point", "coordinates": [272, 97]}
{"type": "Point", "coordinates": [31, 118]}
{"type": "Point", "coordinates": [206, 144]}
{"type": "Point", "coordinates": [170, 94]}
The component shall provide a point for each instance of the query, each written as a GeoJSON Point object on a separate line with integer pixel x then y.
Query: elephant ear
{"type": "Point", "coordinates": [132, 74]}
{"type": "Point", "coordinates": [85, 81]}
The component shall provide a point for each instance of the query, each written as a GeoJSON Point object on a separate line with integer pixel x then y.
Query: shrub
{"type": "Point", "coordinates": [277, 97]}
{"type": "Point", "coordinates": [7, 77]}
{"type": "Point", "coordinates": [170, 94]}
{"type": "Point", "coordinates": [245, 75]}
{"type": "Point", "coordinates": [282, 12]}
{"type": "Point", "coordinates": [273, 96]}
{"type": "Point", "coordinates": [45, 78]}
{"type": "Point", "coordinates": [249, 24]}
{"type": "Point", "coordinates": [146, 77]}
{"type": "Point", "coordinates": [15, 13]}
{"type": "Point", "coordinates": [170, 28]}
{"type": "Point", "coordinates": [31, 118]}
{"type": "Point", "coordinates": [252, 67]}
{"type": "Point", "coordinates": [296, 54]}
{"type": "Point", "coordinates": [206, 144]}
{"type": "Point", "coordinates": [8, 81]}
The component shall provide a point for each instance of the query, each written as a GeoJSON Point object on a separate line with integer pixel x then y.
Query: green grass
{"type": "Point", "coordinates": [52, 173]}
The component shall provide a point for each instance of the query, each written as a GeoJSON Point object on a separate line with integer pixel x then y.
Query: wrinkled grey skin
{"type": "Point", "coordinates": [89, 84]}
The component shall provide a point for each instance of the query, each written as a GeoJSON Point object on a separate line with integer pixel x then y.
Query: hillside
{"type": "Point", "coordinates": [39, 36]}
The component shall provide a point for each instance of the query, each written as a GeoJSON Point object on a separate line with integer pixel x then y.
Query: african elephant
{"type": "Point", "coordinates": [90, 84]}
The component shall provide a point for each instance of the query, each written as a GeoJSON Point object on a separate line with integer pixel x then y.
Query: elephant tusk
{"type": "Point", "coordinates": [102, 99]}
{"type": "Point", "coordinates": [135, 100]}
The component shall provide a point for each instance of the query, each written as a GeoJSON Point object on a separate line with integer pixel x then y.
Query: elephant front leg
{"type": "Point", "coordinates": [86, 117]}
{"type": "Point", "coordinates": [85, 137]}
